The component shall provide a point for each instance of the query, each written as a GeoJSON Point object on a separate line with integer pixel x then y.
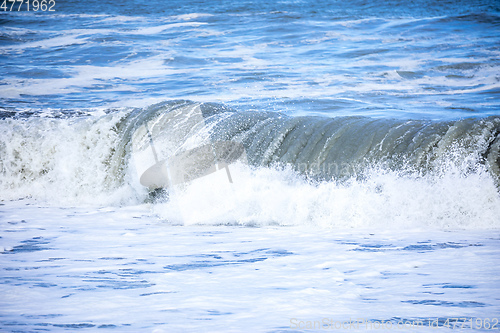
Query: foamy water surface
{"type": "Point", "coordinates": [368, 198]}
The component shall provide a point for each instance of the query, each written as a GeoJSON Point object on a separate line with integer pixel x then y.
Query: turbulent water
{"type": "Point", "coordinates": [249, 166]}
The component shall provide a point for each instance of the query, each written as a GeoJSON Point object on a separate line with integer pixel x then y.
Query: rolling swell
{"type": "Point", "coordinates": [342, 147]}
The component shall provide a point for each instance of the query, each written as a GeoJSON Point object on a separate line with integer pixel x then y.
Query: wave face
{"type": "Point", "coordinates": [332, 148]}
{"type": "Point", "coordinates": [343, 147]}
{"type": "Point", "coordinates": [315, 169]}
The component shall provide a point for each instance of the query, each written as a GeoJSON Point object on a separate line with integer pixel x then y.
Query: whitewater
{"type": "Point", "coordinates": [250, 167]}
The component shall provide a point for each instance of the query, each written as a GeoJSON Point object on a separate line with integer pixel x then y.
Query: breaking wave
{"type": "Point", "coordinates": [334, 172]}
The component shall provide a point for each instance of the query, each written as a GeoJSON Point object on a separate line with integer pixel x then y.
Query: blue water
{"type": "Point", "coordinates": [414, 60]}
{"type": "Point", "coordinates": [85, 248]}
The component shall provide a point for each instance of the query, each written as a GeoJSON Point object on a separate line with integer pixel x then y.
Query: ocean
{"type": "Point", "coordinates": [249, 166]}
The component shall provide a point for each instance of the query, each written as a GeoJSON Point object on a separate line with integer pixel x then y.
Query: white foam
{"type": "Point", "coordinates": [145, 70]}
{"type": "Point", "coordinates": [63, 161]}
{"type": "Point", "coordinates": [59, 41]}
{"type": "Point", "coordinates": [385, 200]}
{"type": "Point", "coordinates": [124, 269]}
{"type": "Point", "coordinates": [160, 28]}
{"type": "Point", "coordinates": [191, 16]}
